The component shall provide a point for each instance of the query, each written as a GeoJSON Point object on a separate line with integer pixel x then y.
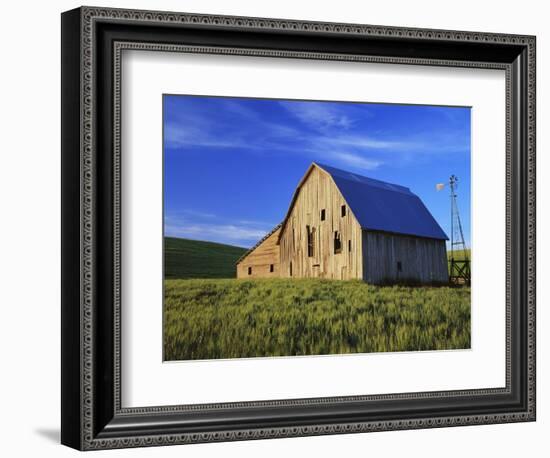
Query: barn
{"type": "Point", "coordinates": [341, 225]}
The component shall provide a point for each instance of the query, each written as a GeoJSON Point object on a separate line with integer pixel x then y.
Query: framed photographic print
{"type": "Point", "coordinates": [278, 228]}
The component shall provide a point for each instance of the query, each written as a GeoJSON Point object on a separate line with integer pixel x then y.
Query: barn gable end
{"type": "Point", "coordinates": [319, 219]}
{"type": "Point", "coordinates": [262, 260]}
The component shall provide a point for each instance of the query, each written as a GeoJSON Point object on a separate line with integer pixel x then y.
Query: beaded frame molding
{"type": "Point", "coordinates": [92, 42]}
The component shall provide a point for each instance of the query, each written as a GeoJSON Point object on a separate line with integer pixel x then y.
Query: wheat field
{"type": "Point", "coordinates": [229, 318]}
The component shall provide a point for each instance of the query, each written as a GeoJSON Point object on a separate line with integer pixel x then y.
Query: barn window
{"type": "Point", "coordinates": [323, 214]}
{"type": "Point", "coordinates": [271, 268]}
{"type": "Point", "coordinates": [343, 209]}
{"type": "Point", "coordinates": [349, 245]}
{"type": "Point", "coordinates": [250, 271]}
{"type": "Point", "coordinates": [399, 267]}
{"type": "Point", "coordinates": [310, 241]}
{"type": "Point", "coordinates": [291, 268]}
{"type": "Point", "coordinates": [337, 243]}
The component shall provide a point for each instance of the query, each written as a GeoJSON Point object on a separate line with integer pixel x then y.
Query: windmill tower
{"type": "Point", "coordinates": [459, 261]}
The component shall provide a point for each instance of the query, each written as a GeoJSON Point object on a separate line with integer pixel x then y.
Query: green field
{"type": "Point", "coordinates": [459, 254]}
{"type": "Point", "coordinates": [229, 318]}
{"type": "Point", "coordinates": [185, 258]}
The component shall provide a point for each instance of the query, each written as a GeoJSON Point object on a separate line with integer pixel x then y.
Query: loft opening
{"type": "Point", "coordinates": [310, 241]}
{"type": "Point", "coordinates": [337, 242]}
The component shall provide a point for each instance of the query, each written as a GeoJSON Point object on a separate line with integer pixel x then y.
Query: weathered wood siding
{"type": "Point", "coordinates": [422, 260]}
{"type": "Point", "coordinates": [319, 192]}
{"type": "Point", "coordinates": [260, 260]}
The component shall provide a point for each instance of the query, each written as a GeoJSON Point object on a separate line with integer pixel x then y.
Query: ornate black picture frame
{"type": "Point", "coordinates": [92, 42]}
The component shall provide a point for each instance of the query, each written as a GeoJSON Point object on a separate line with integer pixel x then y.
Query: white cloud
{"type": "Point", "coordinates": [198, 225]}
{"type": "Point", "coordinates": [179, 135]}
{"type": "Point", "coordinates": [216, 232]}
{"type": "Point", "coordinates": [198, 214]}
{"type": "Point", "coordinates": [355, 160]}
{"type": "Point", "coordinates": [339, 137]}
{"type": "Point", "coordinates": [318, 115]}
{"type": "Point", "coordinates": [366, 142]}
{"type": "Point", "coordinates": [256, 223]}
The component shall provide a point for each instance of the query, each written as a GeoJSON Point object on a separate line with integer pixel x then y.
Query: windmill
{"type": "Point", "coordinates": [459, 262]}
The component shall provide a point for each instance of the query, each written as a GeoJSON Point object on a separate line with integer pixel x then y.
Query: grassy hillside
{"type": "Point", "coordinates": [206, 319]}
{"type": "Point", "coordinates": [185, 258]}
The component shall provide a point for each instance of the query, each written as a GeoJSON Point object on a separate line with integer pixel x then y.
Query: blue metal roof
{"type": "Point", "coordinates": [381, 206]}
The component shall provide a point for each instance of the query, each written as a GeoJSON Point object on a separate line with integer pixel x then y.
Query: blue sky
{"type": "Point", "coordinates": [232, 164]}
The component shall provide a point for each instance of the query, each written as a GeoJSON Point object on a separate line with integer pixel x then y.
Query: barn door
{"type": "Point", "coordinates": [316, 271]}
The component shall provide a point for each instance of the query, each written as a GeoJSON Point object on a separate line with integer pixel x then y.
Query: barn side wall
{"type": "Point", "coordinates": [318, 192]}
{"type": "Point", "coordinates": [260, 260]}
{"type": "Point", "coordinates": [421, 260]}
